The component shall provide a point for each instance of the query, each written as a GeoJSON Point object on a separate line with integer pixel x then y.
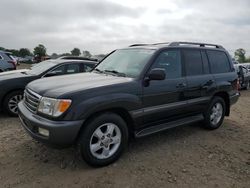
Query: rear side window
{"type": "Point", "coordinates": [205, 62]}
{"type": "Point", "coordinates": [193, 62]}
{"type": "Point", "coordinates": [218, 61]}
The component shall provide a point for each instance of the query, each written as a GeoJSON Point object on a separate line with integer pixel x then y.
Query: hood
{"type": "Point", "coordinates": [13, 75]}
{"type": "Point", "coordinates": [13, 71]}
{"type": "Point", "coordinates": [59, 85]}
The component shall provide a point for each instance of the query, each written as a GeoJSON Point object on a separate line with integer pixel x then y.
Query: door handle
{"type": "Point", "coordinates": [181, 85]}
{"type": "Point", "coordinates": [208, 84]}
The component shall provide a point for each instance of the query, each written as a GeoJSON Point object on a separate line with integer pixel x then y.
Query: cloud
{"type": "Point", "coordinates": [103, 25]}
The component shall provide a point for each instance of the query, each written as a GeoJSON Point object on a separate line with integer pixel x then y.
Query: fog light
{"type": "Point", "coordinates": [43, 132]}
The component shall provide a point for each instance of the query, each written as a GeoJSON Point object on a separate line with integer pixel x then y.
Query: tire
{"type": "Point", "coordinates": [11, 101]}
{"type": "Point", "coordinates": [215, 113]}
{"type": "Point", "coordinates": [106, 148]}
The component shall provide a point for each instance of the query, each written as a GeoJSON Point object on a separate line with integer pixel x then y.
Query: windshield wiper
{"type": "Point", "coordinates": [116, 73]}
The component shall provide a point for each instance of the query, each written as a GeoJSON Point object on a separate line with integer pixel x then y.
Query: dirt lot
{"type": "Point", "coordinates": [186, 156]}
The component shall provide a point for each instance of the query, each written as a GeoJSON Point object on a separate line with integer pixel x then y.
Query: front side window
{"type": "Point", "coordinates": [170, 61]}
{"type": "Point", "coordinates": [58, 71]}
{"type": "Point", "coordinates": [125, 62]}
{"type": "Point", "coordinates": [193, 62]}
{"type": "Point", "coordinates": [219, 62]}
{"type": "Point", "coordinates": [72, 68]}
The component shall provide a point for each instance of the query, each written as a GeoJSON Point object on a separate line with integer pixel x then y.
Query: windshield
{"type": "Point", "coordinates": [41, 67]}
{"type": "Point", "coordinates": [126, 62]}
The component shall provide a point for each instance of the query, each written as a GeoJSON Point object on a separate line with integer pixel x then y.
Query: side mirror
{"type": "Point", "coordinates": [157, 74]}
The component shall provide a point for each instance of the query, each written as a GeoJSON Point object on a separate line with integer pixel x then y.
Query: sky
{"type": "Point", "coordinates": [101, 26]}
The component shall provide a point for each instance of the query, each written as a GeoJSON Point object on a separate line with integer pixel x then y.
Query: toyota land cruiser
{"type": "Point", "coordinates": [133, 92]}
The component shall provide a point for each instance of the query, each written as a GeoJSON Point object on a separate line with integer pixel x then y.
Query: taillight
{"type": "Point", "coordinates": [13, 63]}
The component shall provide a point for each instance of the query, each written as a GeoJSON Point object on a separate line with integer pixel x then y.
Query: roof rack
{"type": "Point", "coordinates": [138, 45]}
{"type": "Point", "coordinates": [181, 43]}
{"type": "Point", "coordinates": [195, 43]}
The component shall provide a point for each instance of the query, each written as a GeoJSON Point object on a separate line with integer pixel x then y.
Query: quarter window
{"type": "Point", "coordinates": [171, 62]}
{"type": "Point", "coordinates": [218, 61]}
{"type": "Point", "coordinates": [193, 62]}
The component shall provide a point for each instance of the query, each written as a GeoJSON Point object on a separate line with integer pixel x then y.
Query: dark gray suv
{"type": "Point", "coordinates": [7, 62]}
{"type": "Point", "coordinates": [133, 92]}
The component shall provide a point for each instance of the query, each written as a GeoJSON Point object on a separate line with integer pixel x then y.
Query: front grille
{"type": "Point", "coordinates": [31, 100]}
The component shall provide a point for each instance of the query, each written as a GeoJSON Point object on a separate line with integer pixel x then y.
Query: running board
{"type": "Point", "coordinates": [165, 126]}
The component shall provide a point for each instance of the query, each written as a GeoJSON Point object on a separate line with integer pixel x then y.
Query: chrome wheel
{"type": "Point", "coordinates": [13, 101]}
{"type": "Point", "coordinates": [216, 113]}
{"type": "Point", "coordinates": [105, 141]}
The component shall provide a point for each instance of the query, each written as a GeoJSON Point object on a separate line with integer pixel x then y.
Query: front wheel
{"type": "Point", "coordinates": [214, 115]}
{"type": "Point", "coordinates": [103, 139]}
{"type": "Point", "coordinates": [11, 101]}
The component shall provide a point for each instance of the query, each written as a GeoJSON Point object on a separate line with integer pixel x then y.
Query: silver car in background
{"type": "Point", "coordinates": [7, 62]}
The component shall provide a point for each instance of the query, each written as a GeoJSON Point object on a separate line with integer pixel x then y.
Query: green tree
{"type": "Point", "coordinates": [40, 50]}
{"type": "Point", "coordinates": [13, 51]}
{"type": "Point", "coordinates": [54, 56]}
{"type": "Point", "coordinates": [239, 55]}
{"type": "Point", "coordinates": [76, 52]}
{"type": "Point", "coordinates": [24, 52]}
{"type": "Point", "coordinates": [2, 48]}
{"type": "Point", "coordinates": [86, 54]}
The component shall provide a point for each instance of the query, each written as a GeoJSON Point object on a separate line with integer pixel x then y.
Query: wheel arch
{"type": "Point", "coordinates": [122, 112]}
{"type": "Point", "coordinates": [8, 92]}
{"type": "Point", "coordinates": [225, 97]}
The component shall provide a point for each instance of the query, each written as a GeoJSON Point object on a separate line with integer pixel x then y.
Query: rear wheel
{"type": "Point", "coordinates": [215, 113]}
{"type": "Point", "coordinates": [103, 139]}
{"type": "Point", "coordinates": [11, 101]}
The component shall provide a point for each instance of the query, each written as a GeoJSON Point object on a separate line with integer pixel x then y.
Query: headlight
{"type": "Point", "coordinates": [53, 107]}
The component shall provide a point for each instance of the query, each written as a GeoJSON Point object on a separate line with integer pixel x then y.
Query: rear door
{"type": "Point", "coordinates": [200, 83]}
{"type": "Point", "coordinates": [164, 99]}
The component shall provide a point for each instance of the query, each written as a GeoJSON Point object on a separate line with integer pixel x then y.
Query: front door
{"type": "Point", "coordinates": [164, 99]}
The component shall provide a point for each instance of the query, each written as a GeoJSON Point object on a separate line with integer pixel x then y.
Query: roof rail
{"type": "Point", "coordinates": [195, 43]}
{"type": "Point", "coordinates": [138, 45]}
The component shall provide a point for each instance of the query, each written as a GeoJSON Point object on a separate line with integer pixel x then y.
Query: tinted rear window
{"type": "Point", "coordinates": [218, 61]}
{"type": "Point", "coordinates": [193, 62]}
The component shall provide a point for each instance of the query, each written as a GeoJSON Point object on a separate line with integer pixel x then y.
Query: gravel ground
{"type": "Point", "coordinates": [187, 156]}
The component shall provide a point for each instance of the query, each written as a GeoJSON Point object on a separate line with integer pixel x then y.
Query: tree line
{"type": "Point", "coordinates": [41, 51]}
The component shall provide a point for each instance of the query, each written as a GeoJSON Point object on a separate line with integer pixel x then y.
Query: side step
{"type": "Point", "coordinates": [165, 126]}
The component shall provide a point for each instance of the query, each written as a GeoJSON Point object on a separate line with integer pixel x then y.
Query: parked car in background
{"type": "Point", "coordinates": [77, 57]}
{"type": "Point", "coordinates": [247, 65]}
{"type": "Point", "coordinates": [244, 75]}
{"type": "Point", "coordinates": [7, 62]}
{"type": "Point", "coordinates": [133, 92]}
{"type": "Point", "coordinates": [12, 84]}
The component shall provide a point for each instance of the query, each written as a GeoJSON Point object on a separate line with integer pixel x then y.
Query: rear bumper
{"type": "Point", "coordinates": [234, 98]}
{"type": "Point", "coordinates": [61, 133]}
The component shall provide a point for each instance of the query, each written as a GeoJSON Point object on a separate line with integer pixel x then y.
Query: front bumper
{"type": "Point", "coordinates": [61, 133]}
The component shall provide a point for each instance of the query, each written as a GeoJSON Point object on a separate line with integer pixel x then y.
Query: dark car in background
{"type": "Point", "coordinates": [244, 75]}
{"type": "Point", "coordinates": [7, 61]}
{"type": "Point", "coordinates": [133, 92]}
{"type": "Point", "coordinates": [12, 84]}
